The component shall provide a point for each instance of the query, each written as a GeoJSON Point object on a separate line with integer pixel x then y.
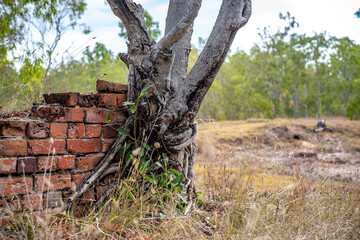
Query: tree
{"type": "Point", "coordinates": [165, 115]}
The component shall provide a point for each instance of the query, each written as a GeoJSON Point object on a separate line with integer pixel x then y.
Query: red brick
{"type": "Point", "coordinates": [84, 145]}
{"type": "Point", "coordinates": [98, 100]}
{"type": "Point", "coordinates": [107, 100]}
{"type": "Point", "coordinates": [110, 130]}
{"type": "Point", "coordinates": [7, 165]}
{"type": "Point", "coordinates": [59, 114]}
{"type": "Point", "coordinates": [100, 190]}
{"type": "Point", "coordinates": [13, 147]}
{"type": "Point", "coordinates": [12, 128]}
{"type": "Point", "coordinates": [46, 147]}
{"type": "Point", "coordinates": [93, 130]}
{"type": "Point", "coordinates": [26, 165]}
{"type": "Point", "coordinates": [52, 182]}
{"type": "Point", "coordinates": [5, 220]}
{"type": "Point", "coordinates": [119, 116]}
{"type": "Point", "coordinates": [106, 144]}
{"type": "Point", "coordinates": [10, 203]}
{"type": "Point", "coordinates": [69, 99]}
{"type": "Point", "coordinates": [48, 163]}
{"type": "Point", "coordinates": [110, 87]}
{"type": "Point", "coordinates": [37, 130]}
{"type": "Point", "coordinates": [66, 162]}
{"type": "Point", "coordinates": [58, 130]}
{"type": "Point", "coordinates": [15, 186]}
{"type": "Point", "coordinates": [76, 130]}
{"type": "Point", "coordinates": [89, 162]}
{"type": "Point", "coordinates": [77, 178]}
{"type": "Point", "coordinates": [53, 200]}
{"type": "Point", "coordinates": [97, 116]}
{"type": "Point", "coordinates": [33, 202]}
{"type": "Point", "coordinates": [120, 99]}
{"type": "Point", "coordinates": [89, 196]}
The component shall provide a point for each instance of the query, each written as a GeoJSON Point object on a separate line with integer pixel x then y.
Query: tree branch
{"type": "Point", "coordinates": [176, 33]}
{"type": "Point", "coordinates": [132, 16]}
{"type": "Point", "coordinates": [233, 15]}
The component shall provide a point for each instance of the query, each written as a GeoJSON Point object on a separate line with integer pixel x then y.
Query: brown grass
{"type": "Point", "coordinates": [244, 198]}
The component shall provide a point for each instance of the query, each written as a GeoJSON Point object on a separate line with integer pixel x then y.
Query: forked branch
{"type": "Point", "coordinates": [233, 15]}
{"type": "Point", "coordinates": [175, 34]}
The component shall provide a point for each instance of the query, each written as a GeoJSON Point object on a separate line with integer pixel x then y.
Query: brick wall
{"type": "Point", "coordinates": [46, 151]}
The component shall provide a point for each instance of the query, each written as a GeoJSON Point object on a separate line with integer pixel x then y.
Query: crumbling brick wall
{"type": "Point", "coordinates": [46, 151]}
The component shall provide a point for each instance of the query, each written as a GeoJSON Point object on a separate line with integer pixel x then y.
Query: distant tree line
{"type": "Point", "coordinates": [286, 75]}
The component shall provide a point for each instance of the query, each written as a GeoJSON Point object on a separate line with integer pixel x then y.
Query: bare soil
{"type": "Point", "coordinates": [287, 146]}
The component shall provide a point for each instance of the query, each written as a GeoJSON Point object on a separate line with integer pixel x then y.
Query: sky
{"type": "Point", "coordinates": [333, 16]}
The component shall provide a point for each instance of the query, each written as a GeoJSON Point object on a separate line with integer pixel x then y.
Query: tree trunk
{"type": "Point", "coordinates": [165, 116]}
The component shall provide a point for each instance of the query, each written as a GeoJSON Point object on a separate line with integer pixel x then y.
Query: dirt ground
{"type": "Point", "coordinates": [285, 147]}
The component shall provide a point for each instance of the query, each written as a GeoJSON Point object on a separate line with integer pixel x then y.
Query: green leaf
{"type": "Point", "coordinates": [146, 146]}
{"type": "Point", "coordinates": [143, 91]}
{"type": "Point", "coordinates": [123, 132]}
{"type": "Point", "coordinates": [180, 205]}
{"type": "Point", "coordinates": [155, 178]}
{"type": "Point", "coordinates": [124, 149]}
{"type": "Point", "coordinates": [108, 120]}
{"type": "Point", "coordinates": [159, 164]}
{"type": "Point", "coordinates": [149, 179]}
{"type": "Point", "coordinates": [127, 103]}
{"type": "Point", "coordinates": [145, 166]}
{"type": "Point", "coordinates": [200, 201]}
{"type": "Point", "coordinates": [178, 180]}
{"type": "Point", "coordinates": [175, 172]}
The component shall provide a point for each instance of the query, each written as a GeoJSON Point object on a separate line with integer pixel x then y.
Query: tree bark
{"type": "Point", "coordinates": [166, 114]}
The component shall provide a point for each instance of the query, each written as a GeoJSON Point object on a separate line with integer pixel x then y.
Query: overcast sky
{"type": "Point", "coordinates": [333, 16]}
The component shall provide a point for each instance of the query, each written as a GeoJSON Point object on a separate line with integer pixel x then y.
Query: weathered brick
{"type": "Point", "coordinates": [89, 162]}
{"type": "Point", "coordinates": [33, 202]}
{"type": "Point", "coordinates": [5, 220]}
{"type": "Point", "coordinates": [69, 99]}
{"type": "Point", "coordinates": [52, 182]}
{"type": "Point", "coordinates": [53, 200]}
{"type": "Point", "coordinates": [121, 98]}
{"type": "Point", "coordinates": [98, 100]}
{"type": "Point", "coordinates": [13, 147]}
{"type": "Point", "coordinates": [107, 100]}
{"type": "Point", "coordinates": [110, 130]}
{"type": "Point", "coordinates": [76, 130]}
{"type": "Point", "coordinates": [84, 145]}
{"type": "Point", "coordinates": [93, 130]}
{"type": "Point", "coordinates": [100, 190]}
{"type": "Point", "coordinates": [7, 165]}
{"type": "Point", "coordinates": [119, 116]}
{"type": "Point", "coordinates": [106, 144]}
{"type": "Point", "coordinates": [37, 130]}
{"type": "Point", "coordinates": [89, 196]}
{"type": "Point", "coordinates": [110, 87]}
{"type": "Point", "coordinates": [58, 130]}
{"type": "Point", "coordinates": [97, 115]}
{"type": "Point", "coordinates": [77, 178]}
{"type": "Point", "coordinates": [48, 163]}
{"type": "Point", "coordinates": [11, 203]}
{"type": "Point", "coordinates": [47, 146]}
{"type": "Point", "coordinates": [66, 162]}
{"type": "Point", "coordinates": [12, 128]}
{"type": "Point", "coordinates": [59, 114]}
{"type": "Point", "coordinates": [15, 186]}
{"type": "Point", "coordinates": [26, 165]}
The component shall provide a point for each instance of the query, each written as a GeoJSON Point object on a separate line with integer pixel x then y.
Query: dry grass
{"type": "Point", "coordinates": [244, 198]}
